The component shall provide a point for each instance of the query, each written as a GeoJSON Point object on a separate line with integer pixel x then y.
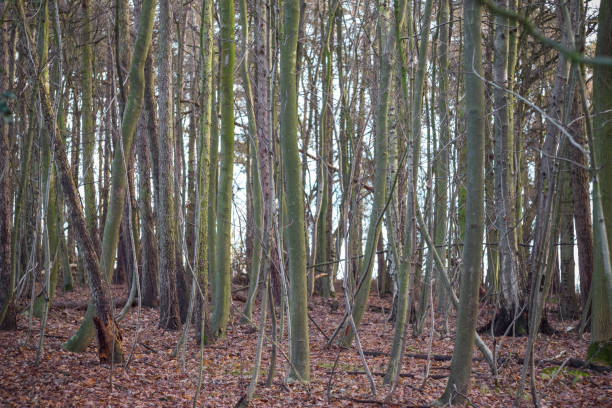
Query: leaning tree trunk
{"type": "Point", "coordinates": [82, 338]}
{"type": "Point", "coordinates": [109, 335]}
{"type": "Point", "coordinates": [294, 232]}
{"type": "Point", "coordinates": [461, 366]}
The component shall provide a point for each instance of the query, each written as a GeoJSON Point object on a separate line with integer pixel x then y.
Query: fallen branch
{"type": "Point", "coordinates": [573, 363]}
{"type": "Point", "coordinates": [378, 402]}
{"type": "Point", "coordinates": [82, 305]}
{"type": "Point", "coordinates": [436, 357]}
{"type": "Point", "coordinates": [403, 375]}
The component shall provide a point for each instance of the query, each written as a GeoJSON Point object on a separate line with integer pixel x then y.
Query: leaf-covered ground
{"type": "Point", "coordinates": [154, 378]}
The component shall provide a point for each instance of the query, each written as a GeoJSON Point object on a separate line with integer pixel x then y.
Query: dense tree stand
{"type": "Point", "coordinates": [210, 171]}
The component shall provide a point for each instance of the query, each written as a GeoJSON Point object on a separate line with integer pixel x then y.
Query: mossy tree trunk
{"type": "Point", "coordinates": [461, 366]}
{"type": "Point", "coordinates": [203, 166]}
{"type": "Point", "coordinates": [380, 185]}
{"type": "Point", "coordinates": [81, 339]}
{"type": "Point", "coordinates": [294, 230]}
{"type": "Point", "coordinates": [109, 335]}
{"type": "Point", "coordinates": [222, 298]}
{"type": "Point", "coordinates": [601, 326]}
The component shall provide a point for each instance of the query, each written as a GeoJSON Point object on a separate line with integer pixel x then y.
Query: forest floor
{"type": "Point", "coordinates": [154, 378]}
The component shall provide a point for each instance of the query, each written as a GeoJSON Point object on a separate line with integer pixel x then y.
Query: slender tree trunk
{"type": "Point", "coordinates": [150, 255]}
{"type": "Point", "coordinates": [183, 279]}
{"type": "Point", "coordinates": [169, 317]}
{"type": "Point", "coordinates": [380, 185]}
{"type": "Point", "coordinates": [109, 336]}
{"type": "Point", "coordinates": [568, 307]}
{"type": "Point", "coordinates": [81, 339]}
{"type": "Point", "coordinates": [504, 201]}
{"type": "Point", "coordinates": [323, 230]}
{"type": "Point", "coordinates": [256, 219]}
{"type": "Point", "coordinates": [461, 366]}
{"type": "Point", "coordinates": [581, 203]}
{"type": "Point", "coordinates": [294, 230]}
{"type": "Point", "coordinates": [222, 297]}
{"type": "Point", "coordinates": [406, 268]}
{"type": "Point", "coordinates": [122, 47]}
{"type": "Point", "coordinates": [8, 318]}
{"type": "Point", "coordinates": [213, 184]}
{"type": "Point", "coordinates": [441, 165]}
{"type": "Point", "coordinates": [88, 128]}
{"type": "Point", "coordinates": [203, 168]}
{"type": "Point", "coordinates": [601, 326]}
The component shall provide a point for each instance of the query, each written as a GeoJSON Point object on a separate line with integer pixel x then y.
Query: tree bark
{"type": "Point", "coordinates": [8, 317]}
{"type": "Point", "coordinates": [461, 366]}
{"type": "Point", "coordinates": [294, 230]}
{"type": "Point", "coordinates": [504, 186]}
{"type": "Point", "coordinates": [169, 317]}
{"type": "Point", "coordinates": [222, 298]}
{"type": "Point", "coordinates": [601, 325]}
{"type": "Point", "coordinates": [81, 339]}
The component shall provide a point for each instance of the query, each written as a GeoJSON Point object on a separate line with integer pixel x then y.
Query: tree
{"type": "Point", "coordinates": [8, 318]}
{"type": "Point", "coordinates": [601, 326]}
{"type": "Point", "coordinates": [81, 339]}
{"type": "Point", "coordinates": [222, 296]}
{"type": "Point", "coordinates": [206, 82]}
{"type": "Point", "coordinates": [255, 202]}
{"type": "Point", "coordinates": [461, 365]}
{"type": "Point", "coordinates": [294, 232]}
{"type": "Point", "coordinates": [169, 317]}
{"type": "Point", "coordinates": [380, 188]}
{"type": "Point", "coordinates": [504, 188]}
{"type": "Point", "coordinates": [109, 337]}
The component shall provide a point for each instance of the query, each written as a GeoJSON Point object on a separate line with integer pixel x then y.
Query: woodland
{"type": "Point", "coordinates": [306, 202]}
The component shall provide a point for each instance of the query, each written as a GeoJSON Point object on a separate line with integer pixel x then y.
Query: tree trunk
{"type": "Point", "coordinates": [581, 202]}
{"type": "Point", "coordinates": [8, 318]}
{"type": "Point", "coordinates": [504, 188]}
{"type": "Point", "coordinates": [380, 185]}
{"type": "Point", "coordinates": [169, 317]}
{"type": "Point", "coordinates": [222, 297]}
{"type": "Point", "coordinates": [108, 332]}
{"type": "Point", "coordinates": [255, 222]}
{"type": "Point", "coordinates": [150, 255]}
{"type": "Point", "coordinates": [461, 366]}
{"type": "Point", "coordinates": [568, 307]}
{"type": "Point", "coordinates": [441, 166]}
{"type": "Point", "coordinates": [81, 339]}
{"type": "Point", "coordinates": [601, 325]}
{"type": "Point", "coordinates": [203, 168]}
{"type": "Point", "coordinates": [294, 230]}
